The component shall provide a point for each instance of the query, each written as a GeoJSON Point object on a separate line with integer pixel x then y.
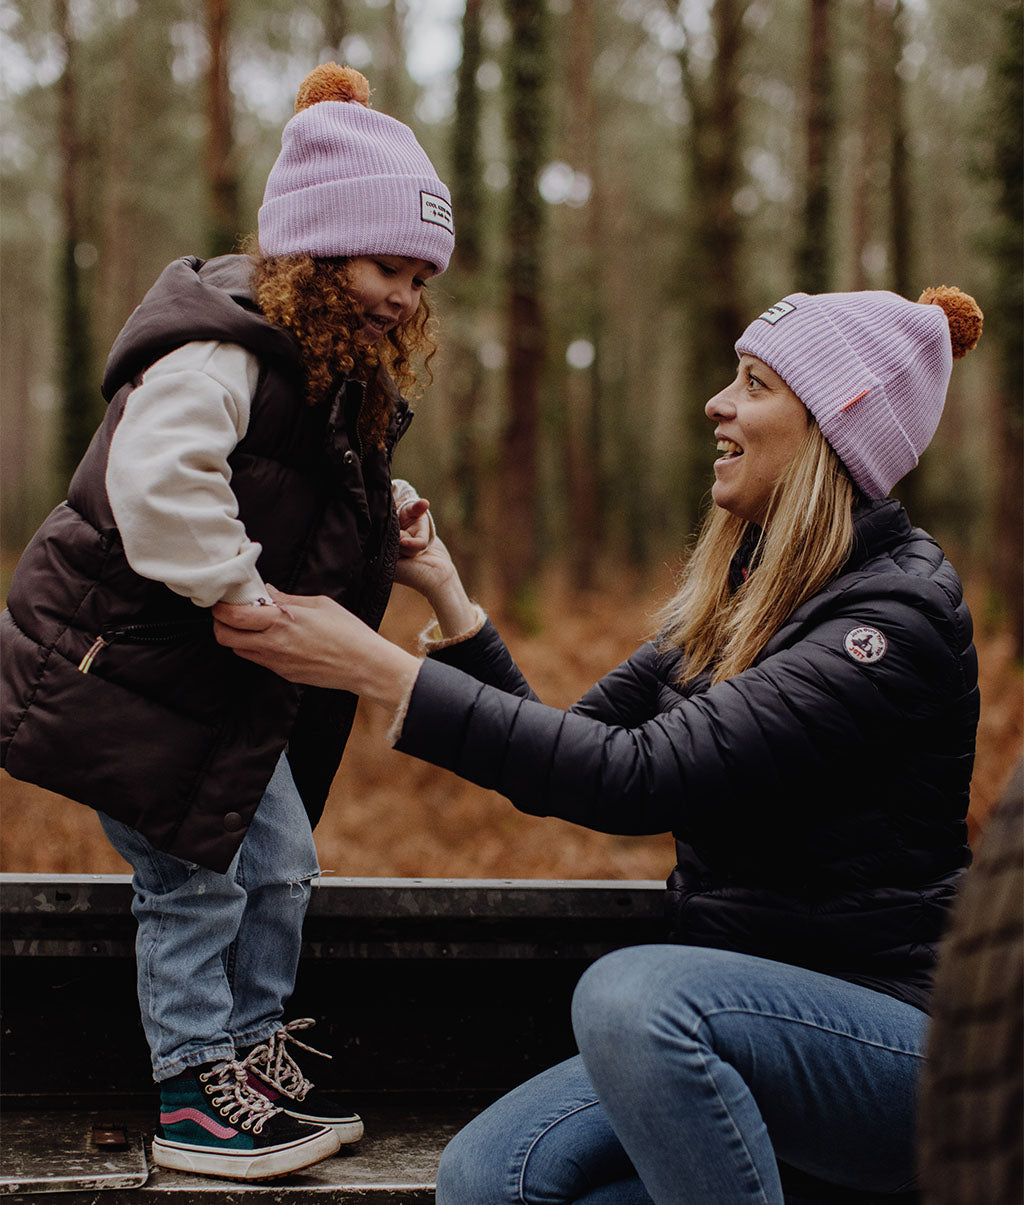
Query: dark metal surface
{"type": "Point", "coordinates": [89, 916]}
{"type": "Point", "coordinates": [55, 1153]}
{"type": "Point", "coordinates": [395, 1164]}
{"type": "Point", "coordinates": [434, 996]}
{"type": "Point", "coordinates": [417, 985]}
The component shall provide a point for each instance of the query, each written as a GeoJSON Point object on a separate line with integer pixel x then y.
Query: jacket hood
{"type": "Point", "coordinates": [195, 300]}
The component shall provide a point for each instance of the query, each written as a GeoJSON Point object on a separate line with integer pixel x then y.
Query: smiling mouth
{"type": "Point", "coordinates": [379, 325]}
{"type": "Point", "coordinates": [729, 449]}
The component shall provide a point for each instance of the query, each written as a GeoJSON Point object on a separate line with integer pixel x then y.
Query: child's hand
{"type": "Point", "coordinates": [417, 527]}
{"type": "Point", "coordinates": [252, 617]}
{"type": "Point", "coordinates": [425, 571]}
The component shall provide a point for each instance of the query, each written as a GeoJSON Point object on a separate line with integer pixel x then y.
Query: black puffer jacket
{"type": "Point", "coordinates": [167, 731]}
{"type": "Point", "coordinates": [818, 799]}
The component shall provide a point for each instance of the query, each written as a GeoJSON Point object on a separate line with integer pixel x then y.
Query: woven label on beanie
{"type": "Point", "coordinates": [778, 311]}
{"type": "Point", "coordinates": [437, 210]}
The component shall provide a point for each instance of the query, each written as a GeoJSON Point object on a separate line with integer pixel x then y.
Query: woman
{"type": "Point", "coordinates": [804, 724]}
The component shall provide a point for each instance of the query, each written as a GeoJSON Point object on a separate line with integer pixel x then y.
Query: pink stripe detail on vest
{"type": "Point", "coordinates": [208, 1124]}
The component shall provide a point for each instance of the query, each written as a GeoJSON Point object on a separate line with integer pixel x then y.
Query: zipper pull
{"type": "Point", "coordinates": [86, 663]}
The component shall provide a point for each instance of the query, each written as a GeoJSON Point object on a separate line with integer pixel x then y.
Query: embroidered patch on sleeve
{"type": "Point", "coordinates": [865, 645]}
{"type": "Point", "coordinates": [436, 210]}
{"type": "Point", "coordinates": [778, 311]}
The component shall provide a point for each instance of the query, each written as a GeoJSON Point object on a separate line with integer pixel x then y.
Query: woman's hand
{"type": "Point", "coordinates": [318, 642]}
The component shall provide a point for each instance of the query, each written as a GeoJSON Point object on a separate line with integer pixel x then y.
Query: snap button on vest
{"type": "Point", "coordinates": [232, 822]}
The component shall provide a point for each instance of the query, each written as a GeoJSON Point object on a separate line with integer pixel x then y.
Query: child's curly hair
{"type": "Point", "coordinates": [309, 297]}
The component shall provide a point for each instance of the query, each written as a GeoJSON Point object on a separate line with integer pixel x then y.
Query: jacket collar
{"type": "Point", "coordinates": [877, 526]}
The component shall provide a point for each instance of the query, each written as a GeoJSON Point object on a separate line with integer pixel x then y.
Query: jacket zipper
{"type": "Point", "coordinates": [138, 633]}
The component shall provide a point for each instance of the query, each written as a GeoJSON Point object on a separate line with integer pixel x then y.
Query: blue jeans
{"type": "Point", "coordinates": [699, 1070]}
{"type": "Point", "coordinates": [217, 954]}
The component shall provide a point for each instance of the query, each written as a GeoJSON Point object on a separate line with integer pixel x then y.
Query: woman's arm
{"type": "Point", "coordinates": [772, 742]}
{"type": "Point", "coordinates": [764, 750]}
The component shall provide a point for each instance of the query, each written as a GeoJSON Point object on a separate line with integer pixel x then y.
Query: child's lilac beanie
{"type": "Point", "coordinates": [871, 367]}
{"type": "Point", "coordinates": [351, 181]}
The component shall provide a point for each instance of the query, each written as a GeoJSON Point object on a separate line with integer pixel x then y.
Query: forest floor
{"type": "Point", "coordinates": [389, 815]}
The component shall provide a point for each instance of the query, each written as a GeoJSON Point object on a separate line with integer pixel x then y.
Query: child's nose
{"type": "Point", "coordinates": [403, 295]}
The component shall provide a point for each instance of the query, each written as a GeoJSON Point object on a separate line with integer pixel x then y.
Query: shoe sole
{"type": "Point", "coordinates": [349, 1130]}
{"type": "Point", "coordinates": [245, 1165]}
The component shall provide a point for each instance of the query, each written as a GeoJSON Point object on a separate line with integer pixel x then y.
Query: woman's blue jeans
{"type": "Point", "coordinates": [699, 1070]}
{"type": "Point", "coordinates": [217, 954]}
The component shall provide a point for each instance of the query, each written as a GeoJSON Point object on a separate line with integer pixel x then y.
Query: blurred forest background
{"type": "Point", "coordinates": [632, 181]}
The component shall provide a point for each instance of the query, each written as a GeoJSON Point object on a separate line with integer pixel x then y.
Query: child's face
{"type": "Point", "coordinates": [387, 290]}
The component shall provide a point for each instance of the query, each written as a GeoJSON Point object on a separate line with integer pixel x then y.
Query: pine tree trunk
{"type": "Point", "coordinates": [715, 316]}
{"type": "Point", "coordinates": [390, 80]}
{"type": "Point", "coordinates": [1007, 310]}
{"type": "Point", "coordinates": [463, 534]}
{"type": "Point", "coordinates": [813, 266]}
{"type": "Point", "coordinates": [335, 26]}
{"type": "Point", "coordinates": [117, 219]}
{"type": "Point", "coordinates": [583, 429]}
{"type": "Point", "coordinates": [910, 490]}
{"type": "Point", "coordinates": [527, 129]}
{"type": "Point", "coordinates": [78, 393]}
{"type": "Point", "coordinates": [899, 178]}
{"type": "Point", "coordinates": [222, 180]}
{"type": "Point", "coordinates": [863, 189]}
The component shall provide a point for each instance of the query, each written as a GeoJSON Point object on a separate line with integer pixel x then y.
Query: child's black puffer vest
{"type": "Point", "coordinates": [166, 730]}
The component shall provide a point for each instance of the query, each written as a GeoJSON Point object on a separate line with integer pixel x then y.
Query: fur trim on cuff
{"type": "Point", "coordinates": [395, 727]}
{"type": "Point", "coordinates": [431, 640]}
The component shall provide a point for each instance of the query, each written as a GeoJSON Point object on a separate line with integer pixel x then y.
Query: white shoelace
{"type": "Point", "coordinates": [273, 1062]}
{"type": "Point", "coordinates": [236, 1099]}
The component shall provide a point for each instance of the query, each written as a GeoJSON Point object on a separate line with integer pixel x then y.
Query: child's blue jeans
{"type": "Point", "coordinates": [217, 954]}
{"type": "Point", "coordinates": [699, 1070]}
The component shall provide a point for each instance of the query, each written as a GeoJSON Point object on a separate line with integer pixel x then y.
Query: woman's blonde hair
{"type": "Point", "coordinates": [806, 539]}
{"type": "Point", "coordinates": [309, 297]}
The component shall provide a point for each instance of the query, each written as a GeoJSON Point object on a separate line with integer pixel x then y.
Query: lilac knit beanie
{"type": "Point", "coordinates": [871, 367]}
{"type": "Point", "coordinates": [350, 181]}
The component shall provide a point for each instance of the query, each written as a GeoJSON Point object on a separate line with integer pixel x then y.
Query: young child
{"type": "Point", "coordinates": [253, 411]}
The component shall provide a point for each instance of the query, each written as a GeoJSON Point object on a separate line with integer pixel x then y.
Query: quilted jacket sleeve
{"type": "Point", "coordinates": [635, 757]}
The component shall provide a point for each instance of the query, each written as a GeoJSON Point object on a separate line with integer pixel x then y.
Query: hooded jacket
{"type": "Point", "coordinates": [818, 799]}
{"type": "Point", "coordinates": [115, 692]}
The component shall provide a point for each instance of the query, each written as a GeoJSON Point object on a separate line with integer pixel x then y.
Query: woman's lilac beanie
{"type": "Point", "coordinates": [871, 367]}
{"type": "Point", "coordinates": [351, 181]}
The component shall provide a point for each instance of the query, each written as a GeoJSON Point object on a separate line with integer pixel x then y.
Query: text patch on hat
{"type": "Point", "coordinates": [779, 310]}
{"type": "Point", "coordinates": [436, 210]}
{"type": "Point", "coordinates": [865, 645]}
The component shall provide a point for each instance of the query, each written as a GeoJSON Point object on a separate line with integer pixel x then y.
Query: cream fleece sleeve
{"type": "Point", "coordinates": [168, 478]}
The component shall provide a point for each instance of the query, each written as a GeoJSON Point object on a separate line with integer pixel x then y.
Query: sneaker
{"type": "Point", "coordinates": [213, 1124]}
{"type": "Point", "coordinates": [274, 1072]}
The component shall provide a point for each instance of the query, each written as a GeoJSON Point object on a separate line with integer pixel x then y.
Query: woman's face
{"type": "Point", "coordinates": [387, 290]}
{"type": "Point", "coordinates": [759, 425]}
